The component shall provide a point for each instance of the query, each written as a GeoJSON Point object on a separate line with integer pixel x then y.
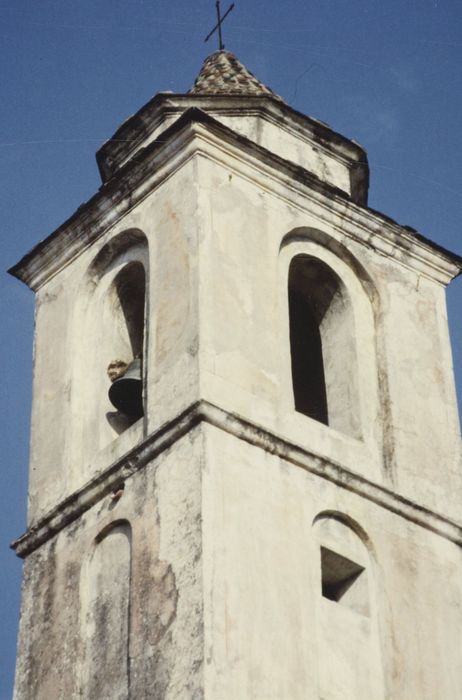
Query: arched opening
{"type": "Point", "coordinates": [105, 615]}
{"type": "Point", "coordinates": [109, 325]}
{"type": "Point", "coordinates": [130, 289]}
{"type": "Point", "coordinates": [347, 611]}
{"type": "Point", "coordinates": [308, 379]}
{"type": "Point", "coordinates": [124, 355]}
{"type": "Point", "coordinates": [322, 345]}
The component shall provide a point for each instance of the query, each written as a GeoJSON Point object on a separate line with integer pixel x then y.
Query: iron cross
{"type": "Point", "coordinates": [218, 24]}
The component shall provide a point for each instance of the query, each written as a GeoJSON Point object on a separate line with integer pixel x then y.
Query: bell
{"type": "Point", "coordinates": [126, 392]}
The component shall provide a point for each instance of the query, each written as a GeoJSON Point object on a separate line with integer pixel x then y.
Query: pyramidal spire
{"type": "Point", "coordinates": [223, 74]}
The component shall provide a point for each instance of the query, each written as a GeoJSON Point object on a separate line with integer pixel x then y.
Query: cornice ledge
{"type": "Point", "coordinates": [159, 159]}
{"type": "Point", "coordinates": [108, 481]}
{"type": "Point", "coordinates": [114, 199]}
{"type": "Point", "coordinates": [203, 411]}
{"type": "Point", "coordinates": [359, 222]}
{"type": "Point", "coordinates": [404, 243]}
{"type": "Point", "coordinates": [130, 135]}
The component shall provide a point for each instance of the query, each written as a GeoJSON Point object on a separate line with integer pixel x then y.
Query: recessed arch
{"type": "Point", "coordinates": [126, 245]}
{"type": "Point", "coordinates": [105, 591]}
{"type": "Point", "coordinates": [118, 276]}
{"type": "Point", "coordinates": [362, 312]}
{"type": "Point", "coordinates": [303, 234]}
{"type": "Point", "coordinates": [347, 609]}
{"type": "Point", "coordinates": [322, 345]}
{"type": "Point", "coordinates": [324, 380]}
{"type": "Point", "coordinates": [122, 523]}
{"type": "Point", "coordinates": [347, 521]}
{"type": "Point", "coordinates": [109, 322]}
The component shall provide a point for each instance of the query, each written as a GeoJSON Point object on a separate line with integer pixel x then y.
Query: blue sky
{"type": "Point", "coordinates": [386, 73]}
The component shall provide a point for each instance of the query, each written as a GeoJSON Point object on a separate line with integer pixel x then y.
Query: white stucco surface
{"type": "Point", "coordinates": [222, 494]}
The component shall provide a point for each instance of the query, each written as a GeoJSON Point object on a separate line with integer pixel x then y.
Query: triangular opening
{"type": "Point", "coordinates": [344, 581]}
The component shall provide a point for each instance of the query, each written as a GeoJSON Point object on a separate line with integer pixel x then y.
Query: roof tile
{"type": "Point", "coordinates": [223, 74]}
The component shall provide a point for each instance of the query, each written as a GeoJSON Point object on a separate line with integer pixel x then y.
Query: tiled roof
{"type": "Point", "coordinates": [223, 74]}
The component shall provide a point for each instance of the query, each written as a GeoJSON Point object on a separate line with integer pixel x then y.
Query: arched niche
{"type": "Point", "coordinates": [347, 618]}
{"type": "Point", "coordinates": [123, 316]}
{"type": "Point", "coordinates": [329, 318]}
{"type": "Point", "coordinates": [110, 327]}
{"type": "Point", "coordinates": [322, 345]}
{"type": "Point", "coordinates": [105, 615]}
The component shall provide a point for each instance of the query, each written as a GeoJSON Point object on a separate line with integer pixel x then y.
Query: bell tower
{"type": "Point", "coordinates": [245, 476]}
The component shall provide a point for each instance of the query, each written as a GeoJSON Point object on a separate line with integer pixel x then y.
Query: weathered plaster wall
{"type": "Point", "coordinates": [284, 140]}
{"type": "Point", "coordinates": [287, 143]}
{"type": "Point", "coordinates": [70, 380]}
{"type": "Point", "coordinates": [225, 595]}
{"type": "Point", "coordinates": [269, 633]}
{"type": "Point", "coordinates": [223, 555]}
{"type": "Point", "coordinates": [68, 639]}
{"type": "Point", "coordinates": [217, 284]}
{"type": "Point", "coordinates": [407, 407]}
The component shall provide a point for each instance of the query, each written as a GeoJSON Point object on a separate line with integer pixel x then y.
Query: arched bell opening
{"type": "Point", "coordinates": [109, 331]}
{"type": "Point", "coordinates": [322, 345]}
{"type": "Point", "coordinates": [125, 355]}
{"type": "Point", "coordinates": [305, 313]}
